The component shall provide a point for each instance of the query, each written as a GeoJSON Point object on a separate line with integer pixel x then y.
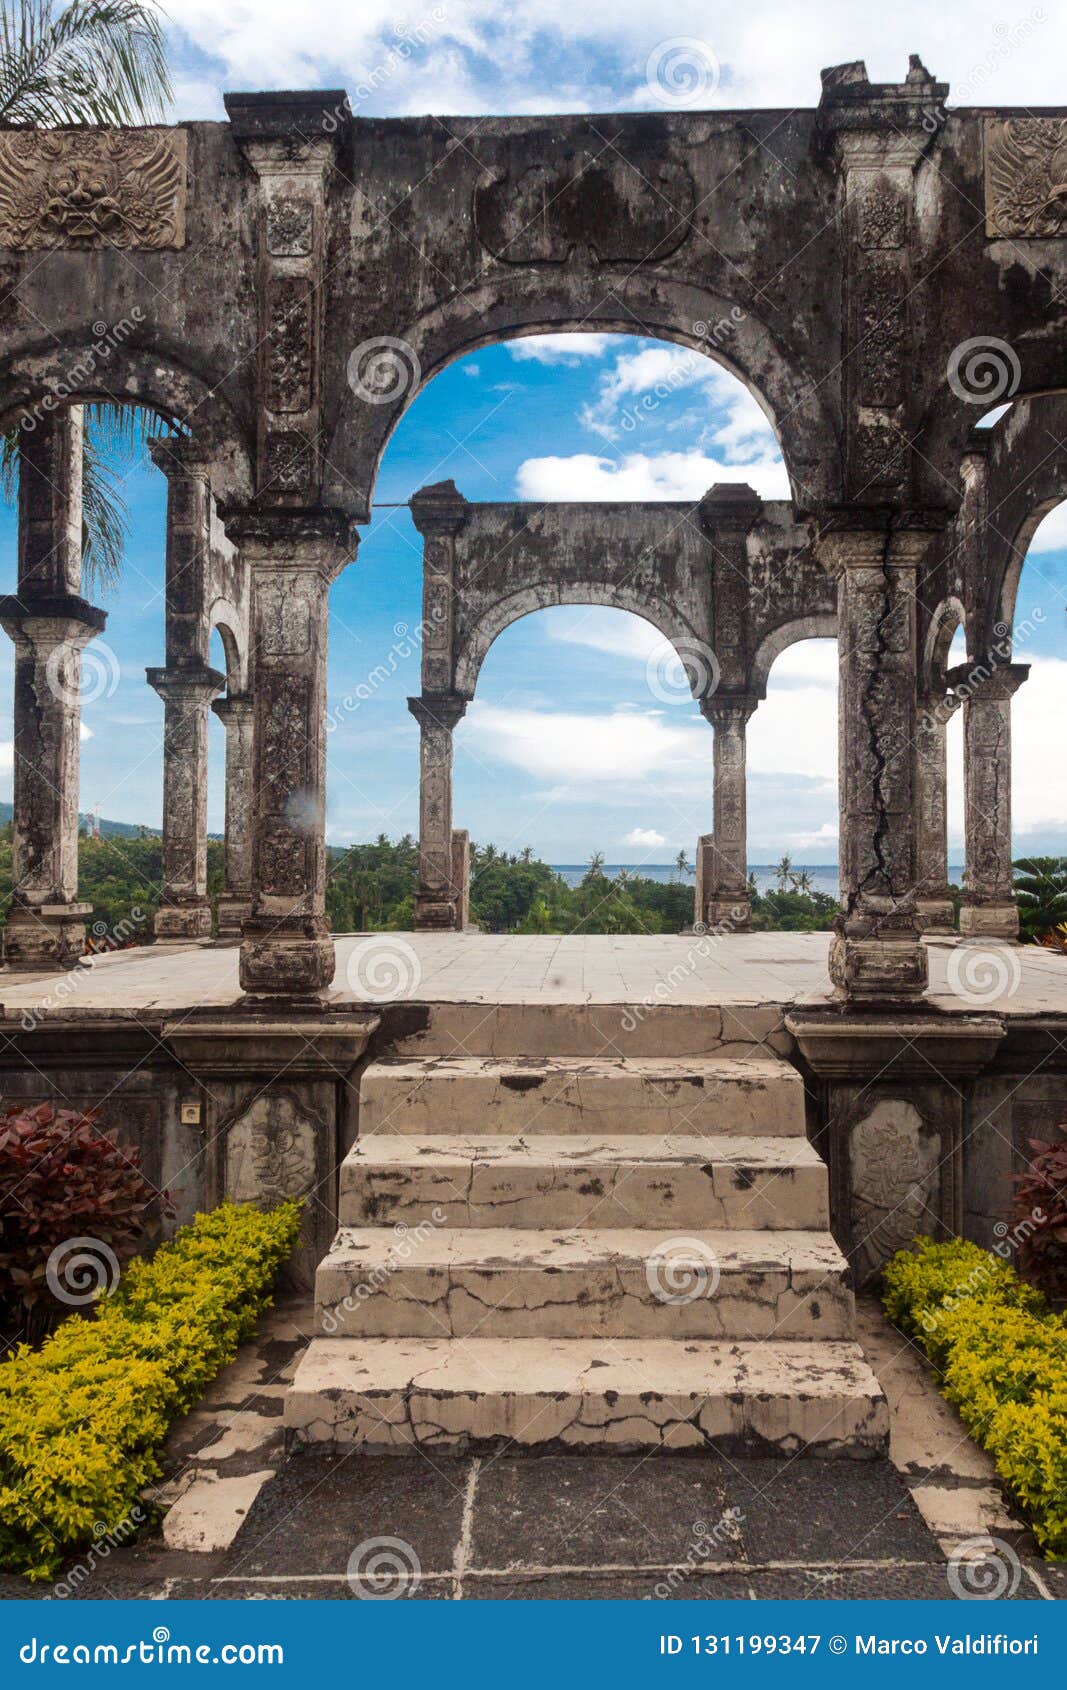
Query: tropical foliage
{"type": "Point", "coordinates": [93, 61]}
{"type": "Point", "coordinates": [1041, 893]}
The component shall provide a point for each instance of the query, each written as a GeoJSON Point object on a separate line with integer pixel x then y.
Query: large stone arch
{"type": "Point", "coordinates": [659, 306]}
{"type": "Point", "coordinates": [502, 615]}
{"type": "Point", "coordinates": [86, 369]}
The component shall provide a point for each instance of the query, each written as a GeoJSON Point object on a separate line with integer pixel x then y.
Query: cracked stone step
{"type": "Point", "coordinates": [501, 1282]}
{"type": "Point", "coordinates": [543, 1028]}
{"type": "Point", "coordinates": [754, 1096]}
{"type": "Point", "coordinates": [576, 1180]}
{"type": "Point", "coordinates": [588, 1394]}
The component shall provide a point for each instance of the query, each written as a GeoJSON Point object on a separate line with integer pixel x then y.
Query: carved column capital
{"type": "Point", "coordinates": [726, 710]}
{"type": "Point", "coordinates": [731, 507]}
{"type": "Point", "coordinates": [986, 679]}
{"type": "Point", "coordinates": [177, 455]}
{"type": "Point", "coordinates": [237, 708]}
{"type": "Point", "coordinates": [440, 712]}
{"type": "Point", "coordinates": [318, 539]}
{"type": "Point", "coordinates": [186, 689]}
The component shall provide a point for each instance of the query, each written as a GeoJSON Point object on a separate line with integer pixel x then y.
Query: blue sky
{"type": "Point", "coordinates": [565, 749]}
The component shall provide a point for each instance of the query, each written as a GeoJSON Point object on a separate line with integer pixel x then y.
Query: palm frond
{"type": "Point", "coordinates": [9, 466]}
{"type": "Point", "coordinates": [96, 61]}
{"type": "Point", "coordinates": [105, 520]}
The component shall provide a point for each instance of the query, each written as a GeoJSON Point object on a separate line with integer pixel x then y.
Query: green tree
{"type": "Point", "coordinates": [98, 62]}
{"type": "Point", "coordinates": [1041, 893]}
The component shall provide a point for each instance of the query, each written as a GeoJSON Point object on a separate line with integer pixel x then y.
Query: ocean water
{"type": "Point", "coordinates": [823, 875]}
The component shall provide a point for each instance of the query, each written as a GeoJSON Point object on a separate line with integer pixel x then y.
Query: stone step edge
{"type": "Point", "coordinates": [782, 1397]}
{"type": "Point", "coordinates": [773, 1152]}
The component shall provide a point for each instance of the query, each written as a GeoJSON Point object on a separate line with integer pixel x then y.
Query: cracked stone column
{"type": "Point", "coordinates": [293, 556]}
{"type": "Point", "coordinates": [235, 712]}
{"type": "Point", "coordinates": [439, 901]}
{"type": "Point", "coordinates": [725, 851]}
{"type": "Point", "coordinates": [934, 901]}
{"type": "Point", "coordinates": [989, 910]}
{"type": "Point", "coordinates": [186, 684]}
{"type": "Point", "coordinates": [876, 955]}
{"type": "Point", "coordinates": [50, 624]}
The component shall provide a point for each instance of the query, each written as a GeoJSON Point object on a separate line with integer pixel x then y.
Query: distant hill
{"type": "Point", "coordinates": [108, 829]}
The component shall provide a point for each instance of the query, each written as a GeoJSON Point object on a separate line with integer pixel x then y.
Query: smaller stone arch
{"type": "Point", "coordinates": [474, 646]}
{"type": "Point", "coordinates": [947, 619]}
{"type": "Point", "coordinates": [224, 618]}
{"type": "Point", "coordinates": [821, 626]}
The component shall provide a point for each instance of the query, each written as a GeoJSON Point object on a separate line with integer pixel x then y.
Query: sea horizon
{"type": "Point", "coordinates": [823, 876]}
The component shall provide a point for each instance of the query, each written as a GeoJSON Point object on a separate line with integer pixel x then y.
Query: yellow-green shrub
{"type": "Point", "coordinates": [83, 1418]}
{"type": "Point", "coordinates": [1002, 1359]}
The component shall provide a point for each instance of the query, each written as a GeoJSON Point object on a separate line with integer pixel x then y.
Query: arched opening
{"type": "Point", "coordinates": [553, 418]}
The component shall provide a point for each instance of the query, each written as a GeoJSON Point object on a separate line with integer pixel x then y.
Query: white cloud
{"type": "Point", "coordinates": [641, 475]}
{"type": "Point", "coordinates": [645, 837]}
{"type": "Point", "coordinates": [559, 348]}
{"type": "Point", "coordinates": [818, 840]}
{"type": "Point", "coordinates": [1051, 535]}
{"type": "Point", "coordinates": [615, 632]}
{"type": "Point", "coordinates": [7, 754]}
{"type": "Point", "coordinates": [565, 746]}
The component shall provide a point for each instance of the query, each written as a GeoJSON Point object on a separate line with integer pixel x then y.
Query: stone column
{"type": "Point", "coordinates": [877, 955]}
{"type": "Point", "coordinates": [461, 875]}
{"type": "Point", "coordinates": [50, 624]}
{"type": "Point", "coordinates": [286, 950]}
{"type": "Point", "coordinates": [186, 684]}
{"type": "Point", "coordinates": [438, 902]}
{"type": "Point", "coordinates": [989, 910]}
{"type": "Point", "coordinates": [235, 904]}
{"type": "Point", "coordinates": [934, 901]}
{"type": "Point", "coordinates": [726, 874]}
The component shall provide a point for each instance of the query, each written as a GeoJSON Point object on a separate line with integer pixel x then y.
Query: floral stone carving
{"type": "Point", "coordinates": [893, 1157]}
{"type": "Point", "coordinates": [92, 188]}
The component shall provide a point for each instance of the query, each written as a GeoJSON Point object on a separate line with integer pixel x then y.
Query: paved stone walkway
{"type": "Point", "coordinates": [248, 1522]}
{"type": "Point", "coordinates": [741, 968]}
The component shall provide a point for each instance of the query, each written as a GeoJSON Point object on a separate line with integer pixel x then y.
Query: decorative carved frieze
{"type": "Point", "coordinates": [290, 227]}
{"type": "Point", "coordinates": [92, 188]}
{"type": "Point", "coordinates": [288, 347]}
{"type": "Point", "coordinates": [1026, 177]}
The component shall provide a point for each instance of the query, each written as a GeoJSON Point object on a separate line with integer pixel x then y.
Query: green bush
{"type": "Point", "coordinates": [1001, 1355]}
{"type": "Point", "coordinates": [83, 1419]}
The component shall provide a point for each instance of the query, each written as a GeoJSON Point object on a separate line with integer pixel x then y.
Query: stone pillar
{"type": "Point", "coordinates": [50, 624]}
{"type": "Point", "coordinates": [439, 901]}
{"type": "Point", "coordinates": [725, 875]}
{"type": "Point", "coordinates": [934, 901]}
{"type": "Point", "coordinates": [989, 910]}
{"type": "Point", "coordinates": [184, 910]}
{"type": "Point", "coordinates": [876, 955]}
{"type": "Point", "coordinates": [286, 949]}
{"type": "Point", "coordinates": [235, 903]}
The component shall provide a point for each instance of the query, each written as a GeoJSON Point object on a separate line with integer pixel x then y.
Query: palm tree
{"type": "Point", "coordinates": [101, 62]}
{"type": "Point", "coordinates": [783, 873]}
{"type": "Point", "coordinates": [595, 870]}
{"type": "Point", "coordinates": [681, 863]}
{"type": "Point", "coordinates": [1041, 893]}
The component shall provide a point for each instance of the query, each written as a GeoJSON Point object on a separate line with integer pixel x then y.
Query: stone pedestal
{"type": "Point", "coordinates": [891, 1116]}
{"type": "Point", "coordinates": [235, 902]}
{"type": "Point", "coordinates": [50, 625]}
{"type": "Point", "coordinates": [439, 901]}
{"type": "Point", "coordinates": [876, 954]}
{"type": "Point", "coordinates": [724, 853]}
{"type": "Point", "coordinates": [989, 910]}
{"type": "Point", "coordinates": [184, 908]}
{"type": "Point", "coordinates": [277, 1096]}
{"type": "Point", "coordinates": [286, 949]}
{"type": "Point", "coordinates": [933, 901]}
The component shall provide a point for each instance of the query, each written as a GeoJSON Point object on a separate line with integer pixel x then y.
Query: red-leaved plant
{"type": "Point", "coordinates": [1039, 1218]}
{"type": "Point", "coordinates": [73, 1207]}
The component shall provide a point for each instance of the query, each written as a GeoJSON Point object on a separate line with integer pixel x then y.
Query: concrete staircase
{"type": "Point", "coordinates": [573, 1251]}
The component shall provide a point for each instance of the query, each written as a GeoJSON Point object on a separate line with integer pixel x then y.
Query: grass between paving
{"type": "Point", "coordinates": [1000, 1354]}
{"type": "Point", "coordinates": [83, 1419]}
